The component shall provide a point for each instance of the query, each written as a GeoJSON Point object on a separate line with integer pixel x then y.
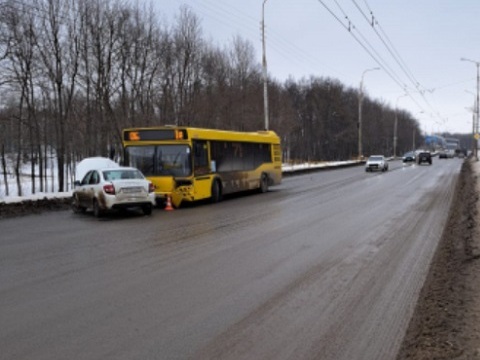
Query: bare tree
{"type": "Point", "coordinates": [245, 83]}
{"type": "Point", "coordinates": [139, 65]}
{"type": "Point", "coordinates": [77, 72]}
{"type": "Point", "coordinates": [58, 46]}
{"type": "Point", "coordinates": [213, 99]}
{"type": "Point", "coordinates": [19, 71]}
{"type": "Point", "coordinates": [184, 74]}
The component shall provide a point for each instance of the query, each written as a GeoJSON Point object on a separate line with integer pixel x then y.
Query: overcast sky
{"type": "Point", "coordinates": [417, 43]}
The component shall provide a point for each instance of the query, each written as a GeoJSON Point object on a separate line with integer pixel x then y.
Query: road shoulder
{"type": "Point", "coordinates": [446, 321]}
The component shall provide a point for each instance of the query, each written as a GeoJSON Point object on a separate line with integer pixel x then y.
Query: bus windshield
{"type": "Point", "coordinates": [160, 160]}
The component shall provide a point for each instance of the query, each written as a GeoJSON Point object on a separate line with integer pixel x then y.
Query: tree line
{"type": "Point", "coordinates": [74, 73]}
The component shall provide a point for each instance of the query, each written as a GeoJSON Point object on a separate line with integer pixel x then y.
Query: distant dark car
{"type": "Point", "coordinates": [442, 155]}
{"type": "Point", "coordinates": [424, 157]}
{"type": "Point", "coordinates": [409, 157]}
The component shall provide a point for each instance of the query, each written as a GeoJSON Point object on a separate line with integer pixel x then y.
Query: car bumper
{"type": "Point", "coordinates": [113, 202]}
{"type": "Point", "coordinates": [373, 167]}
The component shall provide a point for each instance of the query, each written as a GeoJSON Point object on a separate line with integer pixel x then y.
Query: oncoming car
{"type": "Point", "coordinates": [376, 162]}
{"type": "Point", "coordinates": [106, 189]}
{"type": "Point", "coordinates": [409, 157]}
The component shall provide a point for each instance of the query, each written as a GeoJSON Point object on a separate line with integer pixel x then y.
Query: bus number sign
{"type": "Point", "coordinates": [156, 135]}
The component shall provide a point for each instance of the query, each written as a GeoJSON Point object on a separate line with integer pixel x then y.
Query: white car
{"type": "Point", "coordinates": [110, 188]}
{"type": "Point", "coordinates": [376, 162]}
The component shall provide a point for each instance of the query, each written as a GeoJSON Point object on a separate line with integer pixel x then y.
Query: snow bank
{"type": "Point", "coordinates": [88, 164]}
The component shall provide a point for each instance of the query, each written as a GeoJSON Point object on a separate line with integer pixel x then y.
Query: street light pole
{"type": "Point", "coordinates": [414, 133]}
{"type": "Point", "coordinates": [477, 63]}
{"type": "Point", "coordinates": [264, 67]}
{"type": "Point", "coordinates": [360, 101]}
{"type": "Point", "coordinates": [395, 127]}
{"type": "Point", "coordinates": [474, 117]}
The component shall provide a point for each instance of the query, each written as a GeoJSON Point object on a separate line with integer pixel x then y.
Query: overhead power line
{"type": "Point", "coordinates": [374, 52]}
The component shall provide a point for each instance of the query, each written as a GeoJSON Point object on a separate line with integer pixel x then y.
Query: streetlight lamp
{"type": "Point", "coordinates": [360, 101]}
{"type": "Point", "coordinates": [475, 140]}
{"type": "Point", "coordinates": [395, 127]}
{"type": "Point", "coordinates": [264, 66]}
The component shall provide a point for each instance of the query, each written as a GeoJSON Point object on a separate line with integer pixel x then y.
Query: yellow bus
{"type": "Point", "coordinates": [190, 164]}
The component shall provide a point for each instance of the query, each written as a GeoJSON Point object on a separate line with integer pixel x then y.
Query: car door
{"type": "Point", "coordinates": [86, 190]}
{"type": "Point", "coordinates": [81, 188]}
{"type": "Point", "coordinates": [92, 188]}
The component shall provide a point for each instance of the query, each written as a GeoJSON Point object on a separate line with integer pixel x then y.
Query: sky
{"type": "Point", "coordinates": [417, 44]}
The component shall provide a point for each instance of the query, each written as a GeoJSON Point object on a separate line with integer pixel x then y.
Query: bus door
{"type": "Point", "coordinates": [201, 169]}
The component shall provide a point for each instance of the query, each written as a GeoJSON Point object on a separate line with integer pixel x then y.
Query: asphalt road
{"type": "Point", "coordinates": [327, 265]}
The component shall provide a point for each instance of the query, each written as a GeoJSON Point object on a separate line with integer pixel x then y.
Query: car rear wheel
{"type": "Point", "coordinates": [147, 209]}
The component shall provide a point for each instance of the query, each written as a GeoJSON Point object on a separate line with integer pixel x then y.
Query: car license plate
{"type": "Point", "coordinates": [132, 190]}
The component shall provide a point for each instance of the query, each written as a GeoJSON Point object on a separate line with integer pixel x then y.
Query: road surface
{"type": "Point", "coordinates": [326, 266]}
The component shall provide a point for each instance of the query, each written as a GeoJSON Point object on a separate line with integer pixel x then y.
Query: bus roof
{"type": "Point", "coordinates": [215, 134]}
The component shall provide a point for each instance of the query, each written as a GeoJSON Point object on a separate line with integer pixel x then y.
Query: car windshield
{"type": "Point", "coordinates": [172, 160]}
{"type": "Point", "coordinates": [375, 158]}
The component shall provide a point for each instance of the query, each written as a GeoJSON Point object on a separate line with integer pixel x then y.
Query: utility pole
{"type": "Point", "coordinates": [474, 117]}
{"type": "Point", "coordinates": [475, 126]}
{"type": "Point", "coordinates": [360, 101]}
{"type": "Point", "coordinates": [395, 127]}
{"type": "Point", "coordinates": [415, 132]}
{"type": "Point", "coordinates": [264, 67]}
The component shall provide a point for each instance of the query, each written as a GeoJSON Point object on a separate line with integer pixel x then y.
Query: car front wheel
{"type": "Point", "coordinates": [76, 207]}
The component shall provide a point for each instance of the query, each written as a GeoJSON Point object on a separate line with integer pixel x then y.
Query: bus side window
{"type": "Point", "coordinates": [200, 157]}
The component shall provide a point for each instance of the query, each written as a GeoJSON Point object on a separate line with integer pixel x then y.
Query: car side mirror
{"type": "Point", "coordinates": [77, 183]}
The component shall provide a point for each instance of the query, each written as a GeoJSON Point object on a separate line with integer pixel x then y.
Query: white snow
{"type": "Point", "coordinates": [93, 163]}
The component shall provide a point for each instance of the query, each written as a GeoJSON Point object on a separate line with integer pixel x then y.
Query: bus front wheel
{"type": "Point", "coordinates": [216, 192]}
{"type": "Point", "coordinates": [263, 184]}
